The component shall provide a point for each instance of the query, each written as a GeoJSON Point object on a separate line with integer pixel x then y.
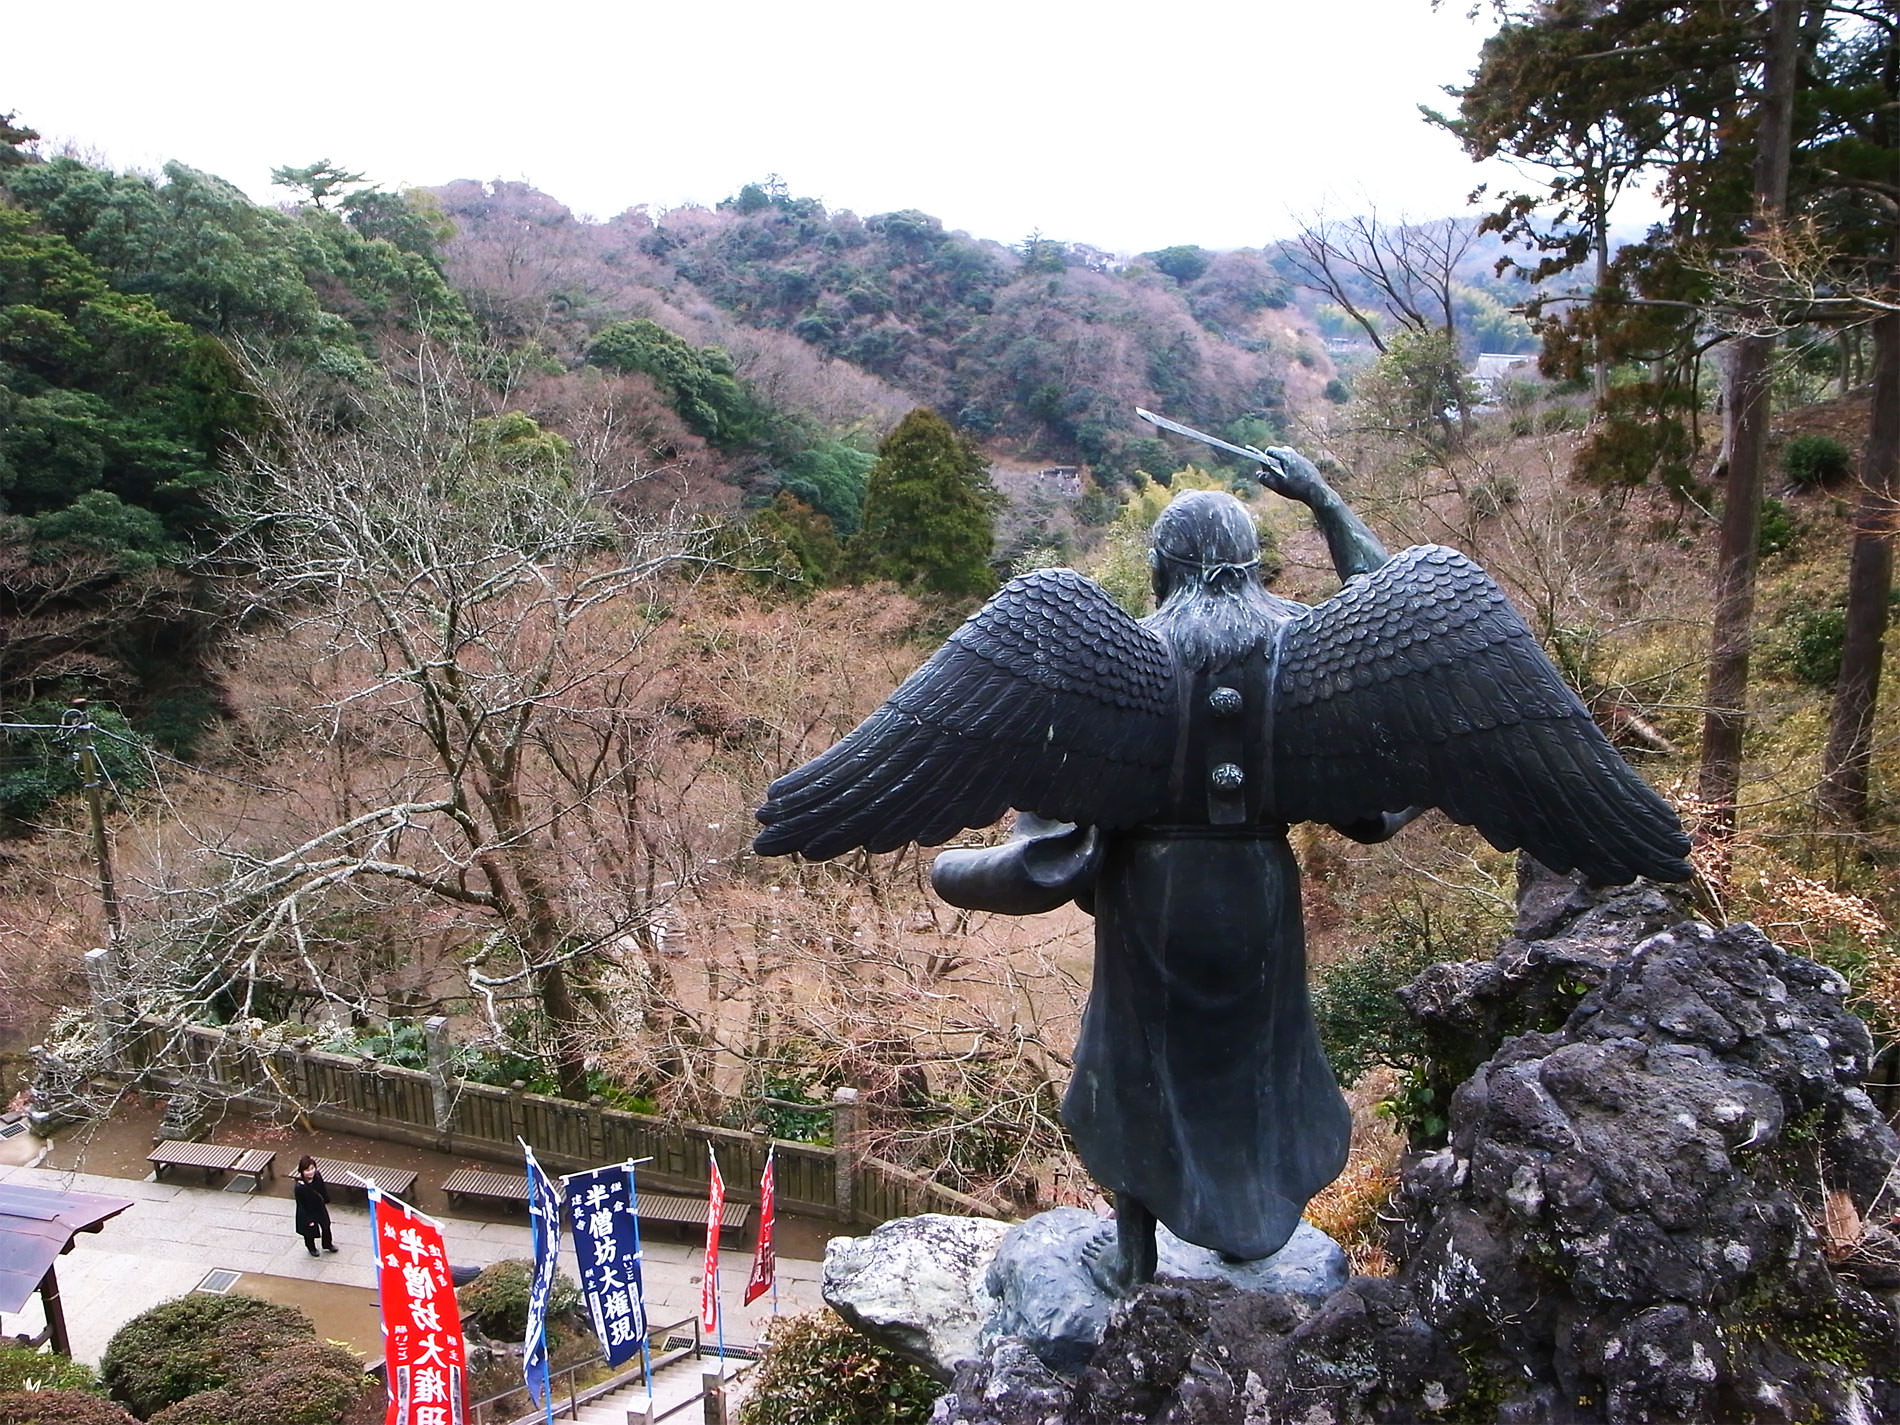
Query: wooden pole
{"type": "Point", "coordinates": [94, 774]}
{"type": "Point", "coordinates": [55, 1313]}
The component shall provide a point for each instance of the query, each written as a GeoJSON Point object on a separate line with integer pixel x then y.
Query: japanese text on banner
{"type": "Point", "coordinates": [764, 1259]}
{"type": "Point", "coordinates": [423, 1348]}
{"type": "Point", "coordinates": [545, 1204]}
{"type": "Point", "coordinates": [601, 1209]}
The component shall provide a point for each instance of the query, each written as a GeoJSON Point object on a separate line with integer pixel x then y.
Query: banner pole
{"type": "Point", "coordinates": [585, 1172]}
{"type": "Point", "coordinates": [646, 1333]}
{"type": "Point", "coordinates": [544, 1245]}
{"type": "Point", "coordinates": [713, 1226]}
{"type": "Point", "coordinates": [374, 1195]}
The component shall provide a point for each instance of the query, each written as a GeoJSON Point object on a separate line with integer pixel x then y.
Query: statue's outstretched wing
{"type": "Point", "coordinates": [1049, 699]}
{"type": "Point", "coordinates": [1419, 685]}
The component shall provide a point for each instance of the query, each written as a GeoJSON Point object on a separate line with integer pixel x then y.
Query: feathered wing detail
{"type": "Point", "coordinates": [1419, 685]}
{"type": "Point", "coordinates": [1049, 699]}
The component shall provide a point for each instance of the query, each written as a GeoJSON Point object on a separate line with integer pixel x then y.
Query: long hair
{"type": "Point", "coordinates": [1205, 559]}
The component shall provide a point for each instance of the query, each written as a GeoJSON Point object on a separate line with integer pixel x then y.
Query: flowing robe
{"type": "Point", "coordinates": [1200, 1088]}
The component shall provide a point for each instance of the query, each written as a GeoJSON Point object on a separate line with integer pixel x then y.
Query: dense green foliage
{"type": "Point", "coordinates": [197, 1343]}
{"type": "Point", "coordinates": [39, 768]}
{"type": "Point", "coordinates": [818, 1371]}
{"type": "Point", "coordinates": [929, 512]}
{"type": "Point", "coordinates": [697, 381]}
{"type": "Point", "coordinates": [1362, 1025]}
{"type": "Point", "coordinates": [1807, 647]}
{"type": "Point", "coordinates": [213, 259]}
{"type": "Point", "coordinates": [1815, 460]}
{"type": "Point", "coordinates": [308, 1383]}
{"type": "Point", "coordinates": [125, 301]}
{"type": "Point", "coordinates": [25, 1368]}
{"type": "Point", "coordinates": [497, 1300]}
{"type": "Point", "coordinates": [60, 1407]}
{"type": "Point", "coordinates": [1184, 263]}
{"type": "Point", "coordinates": [830, 477]}
{"type": "Point", "coordinates": [112, 412]}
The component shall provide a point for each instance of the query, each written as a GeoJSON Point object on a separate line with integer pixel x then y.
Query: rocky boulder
{"type": "Point", "coordinates": [916, 1286]}
{"type": "Point", "coordinates": [1665, 1198]}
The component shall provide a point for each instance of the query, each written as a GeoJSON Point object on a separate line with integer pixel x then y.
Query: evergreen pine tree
{"type": "Point", "coordinates": [929, 512]}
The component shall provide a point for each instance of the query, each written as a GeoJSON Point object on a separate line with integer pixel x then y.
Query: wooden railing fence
{"type": "Point", "coordinates": [432, 1108]}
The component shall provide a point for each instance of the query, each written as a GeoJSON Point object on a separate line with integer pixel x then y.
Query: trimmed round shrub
{"type": "Point", "coordinates": [1814, 460]}
{"type": "Point", "coordinates": [306, 1393]}
{"type": "Point", "coordinates": [815, 1370]}
{"type": "Point", "coordinates": [23, 1368]}
{"type": "Point", "coordinates": [497, 1300]}
{"type": "Point", "coordinates": [196, 1343]}
{"type": "Point", "coordinates": [61, 1407]}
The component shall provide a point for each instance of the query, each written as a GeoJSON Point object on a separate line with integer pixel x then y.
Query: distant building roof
{"type": "Point", "coordinates": [36, 1225]}
{"type": "Point", "coordinates": [1491, 364]}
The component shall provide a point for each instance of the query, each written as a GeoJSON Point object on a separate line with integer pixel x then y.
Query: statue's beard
{"type": "Point", "coordinates": [1219, 617]}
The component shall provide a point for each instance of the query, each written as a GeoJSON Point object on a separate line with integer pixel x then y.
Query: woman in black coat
{"type": "Point", "coordinates": [313, 1205]}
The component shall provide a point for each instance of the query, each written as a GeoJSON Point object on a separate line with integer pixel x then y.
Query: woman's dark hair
{"type": "Point", "coordinates": [306, 1161]}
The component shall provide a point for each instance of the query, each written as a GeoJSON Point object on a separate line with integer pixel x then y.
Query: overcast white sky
{"type": "Point", "coordinates": [1127, 126]}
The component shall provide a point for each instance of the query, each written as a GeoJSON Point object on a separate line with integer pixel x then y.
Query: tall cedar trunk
{"type": "Point", "coordinates": [1844, 773]}
{"type": "Point", "coordinates": [1726, 702]}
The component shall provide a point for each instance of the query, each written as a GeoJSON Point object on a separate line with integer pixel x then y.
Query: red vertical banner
{"type": "Point", "coordinates": [764, 1260]}
{"type": "Point", "coordinates": [423, 1352]}
{"type": "Point", "coordinates": [709, 1283]}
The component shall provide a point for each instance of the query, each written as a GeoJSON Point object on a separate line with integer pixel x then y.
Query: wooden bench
{"type": "Point", "coordinates": [261, 1163]}
{"type": "Point", "coordinates": [487, 1187]}
{"type": "Point", "coordinates": [689, 1215]}
{"type": "Point", "coordinates": [391, 1182]}
{"type": "Point", "coordinates": [214, 1158]}
{"type": "Point", "coordinates": [658, 1208]}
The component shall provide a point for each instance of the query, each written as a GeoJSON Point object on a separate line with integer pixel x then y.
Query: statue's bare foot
{"type": "Point", "coordinates": [1103, 1261]}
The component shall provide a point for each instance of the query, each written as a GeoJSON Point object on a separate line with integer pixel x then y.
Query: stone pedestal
{"type": "Point", "coordinates": [1047, 1296]}
{"type": "Point", "coordinates": [939, 1290]}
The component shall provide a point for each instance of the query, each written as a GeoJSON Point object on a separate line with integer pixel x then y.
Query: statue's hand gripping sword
{"type": "Point", "coordinates": [1283, 470]}
{"type": "Point", "coordinates": [1245, 452]}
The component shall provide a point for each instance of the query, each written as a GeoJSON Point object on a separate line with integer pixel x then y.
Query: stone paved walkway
{"type": "Point", "coordinates": [177, 1231]}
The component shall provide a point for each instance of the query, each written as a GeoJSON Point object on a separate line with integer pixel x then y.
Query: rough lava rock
{"type": "Point", "coordinates": [1627, 1224]}
{"type": "Point", "coordinates": [915, 1285]}
{"type": "Point", "coordinates": [1047, 1298]}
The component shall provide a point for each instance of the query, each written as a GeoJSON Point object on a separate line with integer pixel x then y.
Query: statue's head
{"type": "Point", "coordinates": [1206, 537]}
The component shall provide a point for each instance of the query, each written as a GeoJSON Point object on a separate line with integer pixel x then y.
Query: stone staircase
{"type": "Point", "coordinates": [679, 1391]}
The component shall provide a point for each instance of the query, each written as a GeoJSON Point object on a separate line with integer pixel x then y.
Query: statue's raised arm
{"type": "Point", "coordinates": [1354, 548]}
{"type": "Point", "coordinates": [1162, 761]}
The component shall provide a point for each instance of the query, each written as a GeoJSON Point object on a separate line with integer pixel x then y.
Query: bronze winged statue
{"type": "Point", "coordinates": [1155, 766]}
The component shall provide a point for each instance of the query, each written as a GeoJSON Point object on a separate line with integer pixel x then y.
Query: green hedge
{"type": "Point", "coordinates": [815, 1370]}
{"type": "Point", "coordinates": [199, 1343]}
{"type": "Point", "coordinates": [24, 1368]}
{"type": "Point", "coordinates": [497, 1300]}
{"type": "Point", "coordinates": [61, 1407]}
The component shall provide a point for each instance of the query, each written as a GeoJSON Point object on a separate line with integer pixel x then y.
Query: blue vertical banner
{"type": "Point", "coordinates": [544, 1210]}
{"type": "Point", "coordinates": [603, 1212]}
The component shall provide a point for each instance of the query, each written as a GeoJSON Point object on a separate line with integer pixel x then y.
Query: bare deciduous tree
{"type": "Point", "coordinates": [1394, 278]}
{"type": "Point", "coordinates": [480, 610]}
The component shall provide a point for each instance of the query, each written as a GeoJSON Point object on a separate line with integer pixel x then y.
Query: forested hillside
{"type": "Point", "coordinates": [133, 311]}
{"type": "Point", "coordinates": [451, 573]}
{"type": "Point", "coordinates": [1043, 349]}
